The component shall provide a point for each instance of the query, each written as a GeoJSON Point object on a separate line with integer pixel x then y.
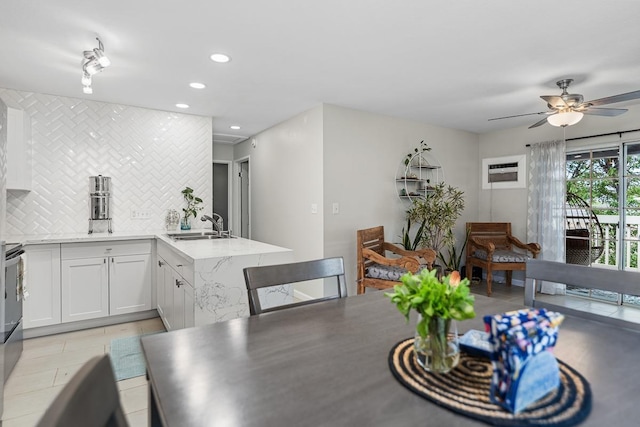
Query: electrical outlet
{"type": "Point", "coordinates": [336, 208]}
{"type": "Point", "coordinates": [140, 214]}
{"type": "Point", "coordinates": [314, 208]}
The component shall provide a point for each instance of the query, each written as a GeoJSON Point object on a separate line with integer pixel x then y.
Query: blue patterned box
{"type": "Point", "coordinates": [524, 369]}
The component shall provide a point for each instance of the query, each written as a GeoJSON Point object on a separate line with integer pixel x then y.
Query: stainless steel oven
{"type": "Point", "coordinates": [13, 295]}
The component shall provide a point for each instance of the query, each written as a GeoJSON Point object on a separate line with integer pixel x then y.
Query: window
{"type": "Point", "coordinates": [606, 183]}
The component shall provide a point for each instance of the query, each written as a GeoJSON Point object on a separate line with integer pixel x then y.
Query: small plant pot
{"type": "Point", "coordinates": [185, 223]}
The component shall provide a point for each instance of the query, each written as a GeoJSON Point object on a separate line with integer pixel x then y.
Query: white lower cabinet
{"type": "Point", "coordinates": [174, 291]}
{"type": "Point", "coordinates": [42, 281]}
{"type": "Point", "coordinates": [129, 284]}
{"type": "Point", "coordinates": [100, 280]}
{"type": "Point", "coordinates": [85, 289]}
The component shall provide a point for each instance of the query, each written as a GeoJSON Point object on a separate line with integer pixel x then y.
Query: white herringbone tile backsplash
{"type": "Point", "coordinates": [150, 156]}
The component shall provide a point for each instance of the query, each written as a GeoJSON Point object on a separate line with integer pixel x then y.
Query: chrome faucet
{"type": "Point", "coordinates": [218, 222]}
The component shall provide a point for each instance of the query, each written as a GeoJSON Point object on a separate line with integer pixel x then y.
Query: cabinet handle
{"type": "Point", "coordinates": [179, 283]}
{"type": "Point", "coordinates": [104, 260]}
{"type": "Point", "coordinates": [111, 260]}
{"type": "Point", "coordinates": [160, 263]}
{"type": "Point", "coordinates": [178, 265]}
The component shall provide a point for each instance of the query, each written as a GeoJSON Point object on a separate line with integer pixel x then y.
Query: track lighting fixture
{"type": "Point", "coordinates": [94, 62]}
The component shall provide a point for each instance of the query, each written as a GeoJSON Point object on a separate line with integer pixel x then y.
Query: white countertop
{"type": "Point", "coordinates": [217, 248]}
{"type": "Point", "coordinates": [194, 249]}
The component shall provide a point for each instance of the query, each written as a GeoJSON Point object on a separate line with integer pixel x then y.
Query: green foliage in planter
{"type": "Point", "coordinates": [439, 210]}
{"type": "Point", "coordinates": [454, 259]}
{"type": "Point", "coordinates": [407, 243]}
{"type": "Point", "coordinates": [192, 203]}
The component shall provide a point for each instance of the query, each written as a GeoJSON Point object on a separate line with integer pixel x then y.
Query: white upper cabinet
{"type": "Point", "coordinates": [18, 150]}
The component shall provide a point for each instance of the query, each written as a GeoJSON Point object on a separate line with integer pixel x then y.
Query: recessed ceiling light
{"type": "Point", "coordinates": [220, 57]}
{"type": "Point", "coordinates": [235, 127]}
{"type": "Point", "coordinates": [197, 85]}
{"type": "Point", "coordinates": [182, 105]}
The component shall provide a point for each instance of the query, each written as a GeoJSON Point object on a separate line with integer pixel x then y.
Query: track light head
{"type": "Point", "coordinates": [86, 78]}
{"type": "Point", "coordinates": [95, 61]}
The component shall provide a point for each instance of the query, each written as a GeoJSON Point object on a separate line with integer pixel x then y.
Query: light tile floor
{"type": "Point", "coordinates": [47, 364]}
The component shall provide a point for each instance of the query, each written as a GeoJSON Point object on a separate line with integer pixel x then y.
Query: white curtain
{"type": "Point", "coordinates": [547, 193]}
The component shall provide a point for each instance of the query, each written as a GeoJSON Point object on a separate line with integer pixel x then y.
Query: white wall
{"type": "Point", "coordinates": [332, 155]}
{"type": "Point", "coordinates": [362, 152]}
{"type": "Point", "coordinates": [286, 169]}
{"type": "Point", "coordinates": [222, 152]}
{"type": "Point", "coordinates": [150, 156]}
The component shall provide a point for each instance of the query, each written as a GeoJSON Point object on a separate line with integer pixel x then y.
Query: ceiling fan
{"type": "Point", "coordinates": [569, 108]}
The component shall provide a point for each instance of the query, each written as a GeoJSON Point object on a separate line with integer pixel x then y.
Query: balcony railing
{"type": "Point", "coordinates": [610, 257]}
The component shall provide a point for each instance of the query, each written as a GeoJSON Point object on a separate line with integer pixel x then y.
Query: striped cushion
{"type": "Point", "coordinates": [387, 272]}
{"type": "Point", "coordinates": [502, 255]}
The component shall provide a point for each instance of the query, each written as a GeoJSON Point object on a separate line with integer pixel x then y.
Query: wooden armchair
{"type": "Point", "coordinates": [375, 270]}
{"type": "Point", "coordinates": [490, 247]}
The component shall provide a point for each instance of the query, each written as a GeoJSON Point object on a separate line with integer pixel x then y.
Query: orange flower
{"type": "Point", "coordinates": [454, 278]}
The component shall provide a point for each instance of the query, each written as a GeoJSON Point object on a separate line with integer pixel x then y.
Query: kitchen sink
{"type": "Point", "coordinates": [198, 235]}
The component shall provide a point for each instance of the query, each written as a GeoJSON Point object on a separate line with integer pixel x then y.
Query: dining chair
{"type": "Point", "coordinates": [273, 275]}
{"type": "Point", "coordinates": [90, 399]}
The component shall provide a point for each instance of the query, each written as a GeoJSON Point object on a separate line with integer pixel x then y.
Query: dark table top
{"type": "Point", "coordinates": [326, 364]}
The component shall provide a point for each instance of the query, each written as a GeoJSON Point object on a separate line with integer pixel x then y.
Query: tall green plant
{"type": "Point", "coordinates": [407, 243]}
{"type": "Point", "coordinates": [454, 259]}
{"type": "Point", "coordinates": [440, 210]}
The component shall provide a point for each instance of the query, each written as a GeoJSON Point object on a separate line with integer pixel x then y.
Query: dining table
{"type": "Point", "coordinates": [326, 364]}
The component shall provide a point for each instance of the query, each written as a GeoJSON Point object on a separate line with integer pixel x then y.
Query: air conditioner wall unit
{"type": "Point", "coordinates": [504, 172]}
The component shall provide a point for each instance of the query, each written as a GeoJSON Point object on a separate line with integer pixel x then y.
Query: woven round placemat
{"type": "Point", "coordinates": [465, 390]}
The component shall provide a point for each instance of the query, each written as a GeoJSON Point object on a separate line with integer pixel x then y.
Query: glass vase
{"type": "Point", "coordinates": [185, 223]}
{"type": "Point", "coordinates": [171, 220]}
{"type": "Point", "coordinates": [439, 350]}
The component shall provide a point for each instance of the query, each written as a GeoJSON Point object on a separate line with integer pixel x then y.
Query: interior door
{"type": "Point", "coordinates": [221, 192]}
{"type": "Point", "coordinates": [244, 200]}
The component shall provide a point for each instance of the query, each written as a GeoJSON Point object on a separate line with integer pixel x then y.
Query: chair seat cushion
{"type": "Point", "coordinates": [387, 272]}
{"type": "Point", "coordinates": [501, 255]}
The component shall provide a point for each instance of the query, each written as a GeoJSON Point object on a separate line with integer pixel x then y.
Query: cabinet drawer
{"type": "Point", "coordinates": [180, 264]}
{"type": "Point", "coordinates": [102, 249]}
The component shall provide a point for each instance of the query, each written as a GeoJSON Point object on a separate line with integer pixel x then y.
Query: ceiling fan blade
{"type": "Point", "coordinates": [540, 123]}
{"type": "Point", "coordinates": [609, 112]}
{"type": "Point", "coordinates": [555, 101]}
{"type": "Point", "coordinates": [520, 115]}
{"type": "Point", "coordinates": [615, 98]}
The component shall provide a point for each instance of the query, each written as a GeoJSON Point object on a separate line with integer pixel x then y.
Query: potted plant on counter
{"type": "Point", "coordinates": [192, 208]}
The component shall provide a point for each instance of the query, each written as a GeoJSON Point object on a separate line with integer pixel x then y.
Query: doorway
{"type": "Point", "coordinates": [244, 198]}
{"type": "Point", "coordinates": [221, 193]}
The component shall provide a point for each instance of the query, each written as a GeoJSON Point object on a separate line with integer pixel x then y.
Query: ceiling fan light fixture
{"type": "Point", "coordinates": [563, 119]}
